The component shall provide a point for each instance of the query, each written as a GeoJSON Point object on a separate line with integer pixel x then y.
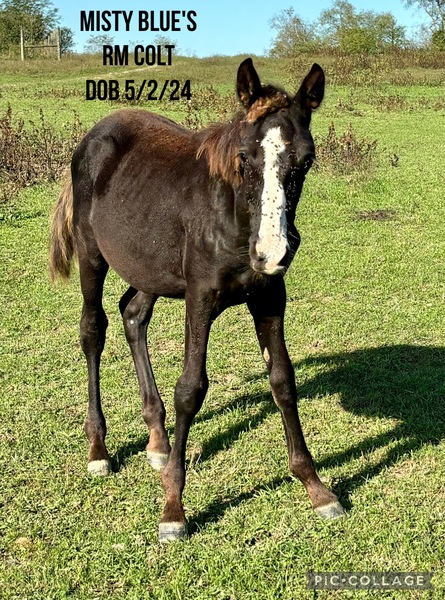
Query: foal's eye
{"type": "Point", "coordinates": [243, 156]}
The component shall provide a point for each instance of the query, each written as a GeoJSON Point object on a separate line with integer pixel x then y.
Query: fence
{"type": "Point", "coordinates": [52, 41]}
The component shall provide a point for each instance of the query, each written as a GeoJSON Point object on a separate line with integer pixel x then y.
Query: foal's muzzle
{"type": "Point", "coordinates": [270, 264]}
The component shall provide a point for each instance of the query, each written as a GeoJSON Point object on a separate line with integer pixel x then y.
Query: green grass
{"type": "Point", "coordinates": [365, 329]}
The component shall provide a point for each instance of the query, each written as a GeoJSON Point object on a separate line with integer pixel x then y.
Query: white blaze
{"type": "Point", "coordinates": [272, 235]}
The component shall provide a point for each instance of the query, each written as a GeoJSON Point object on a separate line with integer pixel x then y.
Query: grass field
{"type": "Point", "coordinates": [365, 329]}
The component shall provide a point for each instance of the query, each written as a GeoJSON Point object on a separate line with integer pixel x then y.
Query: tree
{"type": "Point", "coordinates": [435, 9]}
{"type": "Point", "coordinates": [37, 17]}
{"type": "Point", "coordinates": [390, 36]}
{"type": "Point", "coordinates": [336, 20]}
{"type": "Point", "coordinates": [66, 40]}
{"type": "Point", "coordinates": [357, 40]}
{"type": "Point", "coordinates": [294, 36]}
{"type": "Point", "coordinates": [164, 40]}
{"type": "Point", "coordinates": [364, 31]}
{"type": "Point", "coordinates": [438, 39]}
{"type": "Point", "coordinates": [95, 43]}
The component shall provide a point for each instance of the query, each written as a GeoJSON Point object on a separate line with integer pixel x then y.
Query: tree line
{"type": "Point", "coordinates": [344, 28]}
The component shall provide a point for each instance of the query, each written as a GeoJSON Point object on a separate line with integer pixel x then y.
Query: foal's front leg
{"type": "Point", "coordinates": [190, 391]}
{"type": "Point", "coordinates": [267, 308]}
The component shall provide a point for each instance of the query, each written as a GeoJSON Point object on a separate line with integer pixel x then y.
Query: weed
{"type": "Point", "coordinates": [345, 154]}
{"type": "Point", "coordinates": [391, 102]}
{"type": "Point", "coordinates": [60, 93]}
{"type": "Point", "coordinates": [193, 116]}
{"type": "Point", "coordinates": [348, 105]}
{"type": "Point", "coordinates": [396, 68]}
{"type": "Point", "coordinates": [207, 105]}
{"type": "Point", "coordinates": [381, 214]}
{"type": "Point", "coordinates": [35, 153]}
{"type": "Point", "coordinates": [214, 104]}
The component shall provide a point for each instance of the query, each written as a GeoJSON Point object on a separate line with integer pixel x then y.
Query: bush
{"type": "Point", "coordinates": [208, 105]}
{"type": "Point", "coordinates": [36, 153]}
{"type": "Point", "coordinates": [345, 154]}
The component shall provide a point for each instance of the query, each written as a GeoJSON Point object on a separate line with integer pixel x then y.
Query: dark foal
{"type": "Point", "coordinates": [207, 216]}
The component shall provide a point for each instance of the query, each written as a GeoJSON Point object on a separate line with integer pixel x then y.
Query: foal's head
{"type": "Point", "coordinates": [275, 152]}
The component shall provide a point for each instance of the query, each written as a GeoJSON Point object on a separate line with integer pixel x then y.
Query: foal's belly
{"type": "Point", "coordinates": [147, 256]}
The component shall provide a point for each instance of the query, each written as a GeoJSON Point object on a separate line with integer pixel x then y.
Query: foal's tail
{"type": "Point", "coordinates": [62, 248]}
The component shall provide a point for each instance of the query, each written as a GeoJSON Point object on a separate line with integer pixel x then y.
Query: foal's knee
{"type": "Point", "coordinates": [153, 412]}
{"type": "Point", "coordinates": [282, 382]}
{"type": "Point", "coordinates": [190, 393]}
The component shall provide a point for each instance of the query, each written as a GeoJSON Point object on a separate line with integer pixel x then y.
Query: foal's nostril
{"type": "Point", "coordinates": [261, 257]}
{"type": "Point", "coordinates": [303, 160]}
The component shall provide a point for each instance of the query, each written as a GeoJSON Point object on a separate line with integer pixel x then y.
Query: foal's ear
{"type": "Point", "coordinates": [311, 91]}
{"type": "Point", "coordinates": [248, 83]}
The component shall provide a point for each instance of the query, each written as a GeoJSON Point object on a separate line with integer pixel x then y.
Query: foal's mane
{"type": "Point", "coordinates": [220, 142]}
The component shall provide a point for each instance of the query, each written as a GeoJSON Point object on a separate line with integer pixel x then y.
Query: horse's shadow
{"type": "Point", "coordinates": [263, 404]}
{"type": "Point", "coordinates": [403, 382]}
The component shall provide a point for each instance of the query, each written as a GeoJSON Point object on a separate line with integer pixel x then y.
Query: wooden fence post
{"type": "Point", "coordinates": [59, 44]}
{"type": "Point", "coordinates": [22, 43]}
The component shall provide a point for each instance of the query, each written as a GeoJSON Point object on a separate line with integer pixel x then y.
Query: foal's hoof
{"type": "Point", "coordinates": [157, 460]}
{"type": "Point", "coordinates": [333, 510]}
{"type": "Point", "coordinates": [99, 467]}
{"type": "Point", "coordinates": [170, 532]}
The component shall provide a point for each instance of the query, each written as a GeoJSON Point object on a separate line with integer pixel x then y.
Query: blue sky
{"type": "Point", "coordinates": [224, 26]}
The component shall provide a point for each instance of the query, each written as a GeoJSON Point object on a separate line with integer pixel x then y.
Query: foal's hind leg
{"type": "Point", "coordinates": [267, 308]}
{"type": "Point", "coordinates": [93, 324]}
{"type": "Point", "coordinates": [136, 309]}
